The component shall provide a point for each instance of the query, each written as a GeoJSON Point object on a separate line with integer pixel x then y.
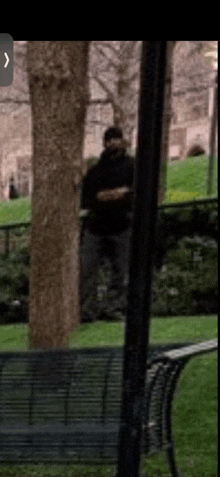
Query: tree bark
{"type": "Point", "coordinates": [59, 92]}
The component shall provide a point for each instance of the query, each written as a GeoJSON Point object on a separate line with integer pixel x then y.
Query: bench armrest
{"type": "Point", "coordinates": [192, 350]}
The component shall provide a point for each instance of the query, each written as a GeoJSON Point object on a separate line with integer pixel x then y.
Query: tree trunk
{"type": "Point", "coordinates": [167, 115]}
{"type": "Point", "coordinates": [58, 87]}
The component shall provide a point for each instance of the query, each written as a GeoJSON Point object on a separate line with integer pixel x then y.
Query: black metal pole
{"type": "Point", "coordinates": [212, 140]}
{"type": "Point", "coordinates": [153, 72]}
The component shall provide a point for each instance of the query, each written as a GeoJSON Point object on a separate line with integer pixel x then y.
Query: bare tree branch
{"type": "Point", "coordinates": [106, 89]}
{"type": "Point", "coordinates": [107, 58]}
{"type": "Point", "coordinates": [115, 65]}
{"type": "Point", "coordinates": [111, 46]}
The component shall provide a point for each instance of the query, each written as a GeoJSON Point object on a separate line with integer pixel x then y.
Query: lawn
{"type": "Point", "coordinates": [186, 180]}
{"type": "Point", "coordinates": [17, 210]}
{"type": "Point", "coordinates": [195, 405]}
{"type": "Point", "coordinates": [101, 333]}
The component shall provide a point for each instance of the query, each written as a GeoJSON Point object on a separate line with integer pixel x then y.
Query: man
{"type": "Point", "coordinates": [107, 194]}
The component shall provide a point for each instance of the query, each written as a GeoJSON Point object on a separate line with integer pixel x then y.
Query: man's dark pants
{"type": "Point", "coordinates": [95, 248]}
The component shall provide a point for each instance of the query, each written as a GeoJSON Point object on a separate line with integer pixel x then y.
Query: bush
{"type": "Point", "coordinates": [171, 291]}
{"type": "Point", "coordinates": [14, 287]}
{"type": "Point", "coordinates": [15, 311]}
{"type": "Point", "coordinates": [199, 220]}
{"type": "Point", "coordinates": [188, 281]}
{"type": "Point", "coordinates": [185, 279]}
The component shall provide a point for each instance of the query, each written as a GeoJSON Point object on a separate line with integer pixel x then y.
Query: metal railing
{"type": "Point", "coordinates": [8, 228]}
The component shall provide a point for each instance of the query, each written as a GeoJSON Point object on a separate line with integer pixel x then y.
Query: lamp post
{"type": "Point", "coordinates": [153, 74]}
{"type": "Point", "coordinates": [212, 140]}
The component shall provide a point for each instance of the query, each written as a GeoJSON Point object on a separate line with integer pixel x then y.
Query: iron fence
{"type": "Point", "coordinates": [13, 235]}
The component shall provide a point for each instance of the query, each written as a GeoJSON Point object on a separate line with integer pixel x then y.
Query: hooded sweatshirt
{"type": "Point", "coordinates": [114, 169]}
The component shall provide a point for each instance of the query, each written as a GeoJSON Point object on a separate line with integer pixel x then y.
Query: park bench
{"type": "Point", "coordinates": [63, 406]}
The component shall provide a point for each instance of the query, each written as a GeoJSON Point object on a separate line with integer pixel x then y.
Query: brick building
{"type": "Point", "coordinates": [192, 101]}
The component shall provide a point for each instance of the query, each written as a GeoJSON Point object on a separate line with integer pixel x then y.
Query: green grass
{"type": "Point", "coordinates": [186, 180]}
{"type": "Point", "coordinates": [101, 333]}
{"type": "Point", "coordinates": [195, 405]}
{"type": "Point", "coordinates": [17, 210]}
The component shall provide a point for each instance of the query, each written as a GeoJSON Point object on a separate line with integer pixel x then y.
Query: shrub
{"type": "Point", "coordinates": [188, 282]}
{"type": "Point", "coordinates": [185, 278]}
{"type": "Point", "coordinates": [171, 290]}
{"type": "Point", "coordinates": [14, 287]}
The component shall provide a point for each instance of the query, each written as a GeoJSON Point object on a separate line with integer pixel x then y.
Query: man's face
{"type": "Point", "coordinates": [114, 143]}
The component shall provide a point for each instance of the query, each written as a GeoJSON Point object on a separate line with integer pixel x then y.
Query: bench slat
{"type": "Point", "coordinates": [65, 405]}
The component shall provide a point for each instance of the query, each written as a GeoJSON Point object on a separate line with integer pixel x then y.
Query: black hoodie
{"type": "Point", "coordinates": [114, 169]}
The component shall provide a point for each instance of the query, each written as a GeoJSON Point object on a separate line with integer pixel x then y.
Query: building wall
{"type": "Point", "coordinates": [191, 123]}
{"type": "Point", "coordinates": [16, 151]}
{"type": "Point", "coordinates": [192, 102]}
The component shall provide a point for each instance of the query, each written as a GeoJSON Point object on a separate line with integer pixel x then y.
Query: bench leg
{"type": "Point", "coordinates": [173, 373]}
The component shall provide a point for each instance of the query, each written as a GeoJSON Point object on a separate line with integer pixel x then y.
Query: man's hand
{"type": "Point", "coordinates": [114, 194]}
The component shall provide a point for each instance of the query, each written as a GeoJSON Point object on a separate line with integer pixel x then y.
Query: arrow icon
{"type": "Point", "coordinates": [7, 60]}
